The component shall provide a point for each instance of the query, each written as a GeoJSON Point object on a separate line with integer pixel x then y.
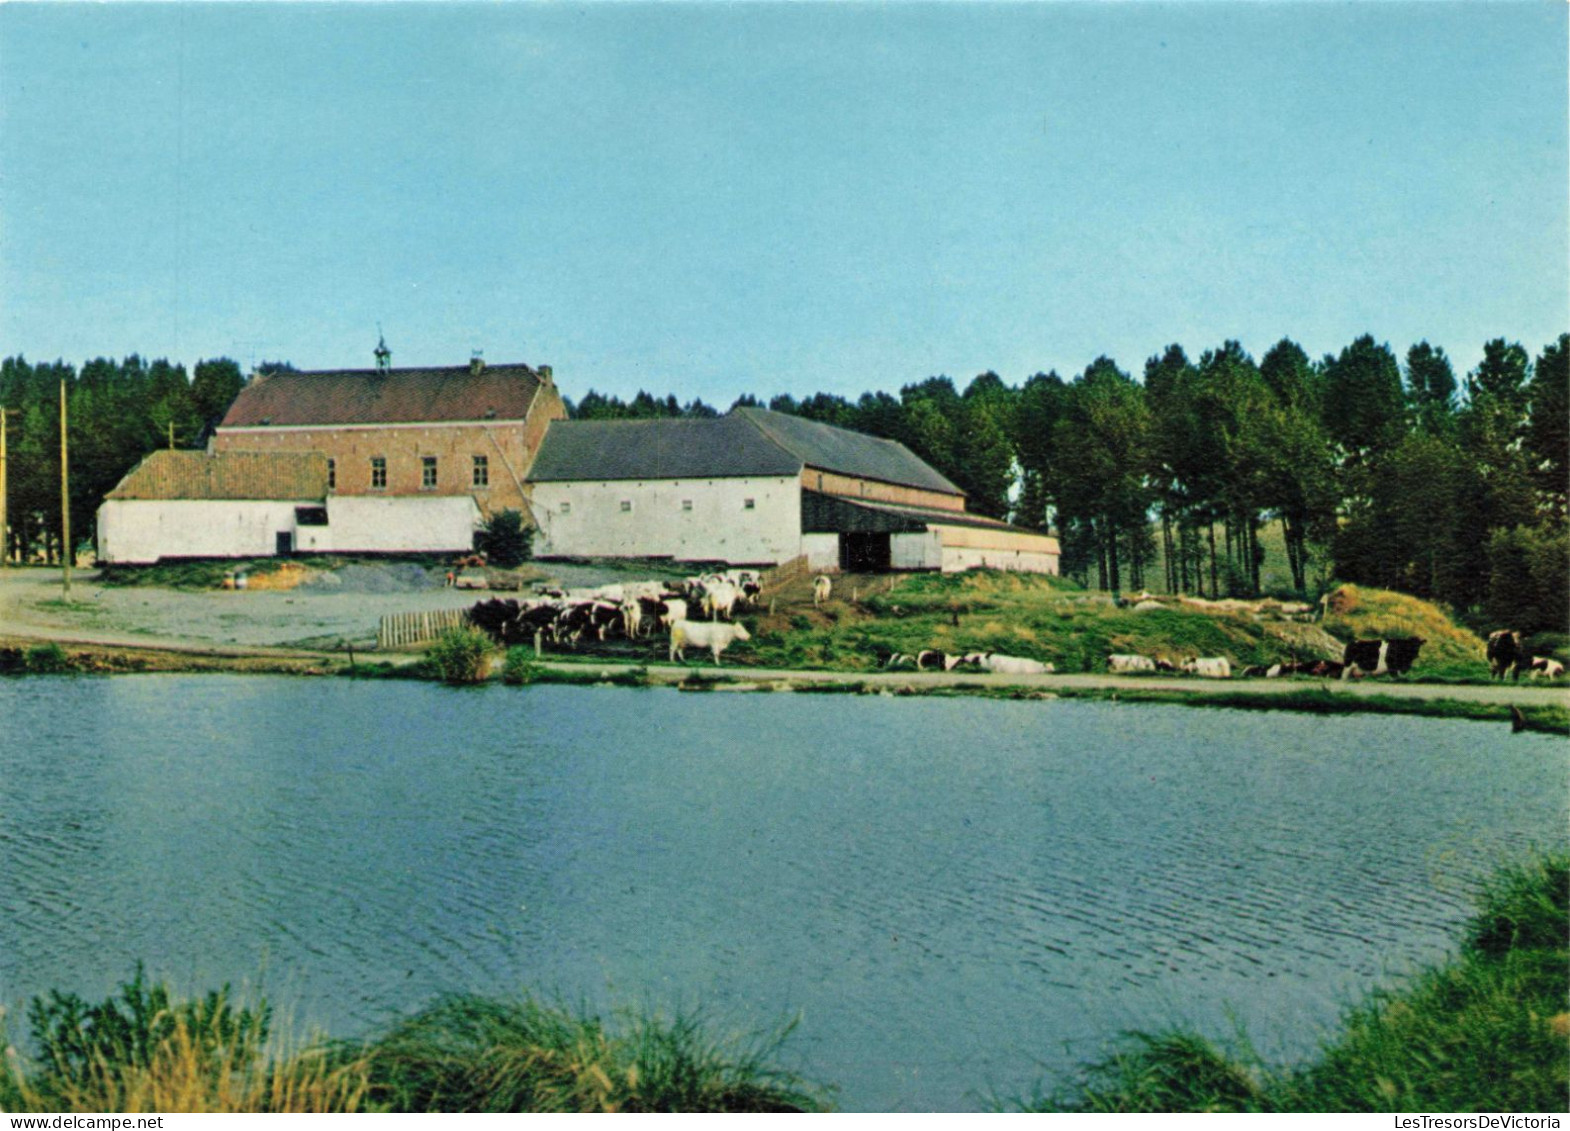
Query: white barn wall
{"type": "Point", "coordinates": [400, 524]}
{"type": "Point", "coordinates": [958, 558]}
{"type": "Point", "coordinates": [144, 530]}
{"type": "Point", "coordinates": [923, 550]}
{"type": "Point", "coordinates": [822, 551]}
{"type": "Point", "coordinates": [719, 527]}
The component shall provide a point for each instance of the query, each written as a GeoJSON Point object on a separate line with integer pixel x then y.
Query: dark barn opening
{"type": "Point", "coordinates": [865, 552]}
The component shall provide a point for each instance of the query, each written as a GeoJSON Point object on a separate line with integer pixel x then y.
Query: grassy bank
{"type": "Point", "coordinates": [1487, 1031]}
{"type": "Point", "coordinates": [1548, 719]}
{"type": "Point", "coordinates": [1047, 619]}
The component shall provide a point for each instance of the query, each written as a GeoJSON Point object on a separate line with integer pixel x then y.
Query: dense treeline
{"type": "Point", "coordinates": [1401, 476]}
{"type": "Point", "coordinates": [117, 412]}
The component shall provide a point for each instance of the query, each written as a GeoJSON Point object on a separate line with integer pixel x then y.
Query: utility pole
{"type": "Point", "coordinates": [66, 553]}
{"type": "Point", "coordinates": [5, 541]}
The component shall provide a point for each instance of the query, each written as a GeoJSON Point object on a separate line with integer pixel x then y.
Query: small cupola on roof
{"type": "Point", "coordinates": [382, 354]}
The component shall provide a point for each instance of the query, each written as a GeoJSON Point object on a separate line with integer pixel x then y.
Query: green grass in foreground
{"type": "Point", "coordinates": [1487, 1031]}
{"type": "Point", "coordinates": [143, 1051]}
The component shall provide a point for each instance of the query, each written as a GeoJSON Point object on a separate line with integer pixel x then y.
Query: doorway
{"type": "Point", "coordinates": [863, 552]}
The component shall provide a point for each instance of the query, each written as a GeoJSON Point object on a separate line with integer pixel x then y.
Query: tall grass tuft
{"type": "Point", "coordinates": [1166, 1071]}
{"type": "Point", "coordinates": [462, 655]}
{"type": "Point", "coordinates": [143, 1051]}
{"type": "Point", "coordinates": [1486, 1031]}
{"type": "Point", "coordinates": [474, 1054]}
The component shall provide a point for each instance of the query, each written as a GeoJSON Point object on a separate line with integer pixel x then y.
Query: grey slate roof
{"type": "Point", "coordinates": [747, 442]}
{"type": "Point", "coordinates": [728, 447]}
{"type": "Point", "coordinates": [848, 453]}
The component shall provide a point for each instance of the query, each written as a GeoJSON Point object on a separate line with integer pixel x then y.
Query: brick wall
{"type": "Point", "coordinates": [509, 448]}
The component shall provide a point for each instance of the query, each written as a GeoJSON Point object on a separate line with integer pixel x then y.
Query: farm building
{"type": "Point", "coordinates": [181, 504]}
{"type": "Point", "coordinates": [463, 433]}
{"type": "Point", "coordinates": [759, 487]}
{"type": "Point", "coordinates": [411, 460]}
{"type": "Point", "coordinates": [346, 461]}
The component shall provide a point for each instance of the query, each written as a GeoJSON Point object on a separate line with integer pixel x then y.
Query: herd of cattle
{"type": "Point", "coordinates": [630, 609]}
{"type": "Point", "coordinates": [700, 611]}
{"type": "Point", "coordinates": [1362, 658]}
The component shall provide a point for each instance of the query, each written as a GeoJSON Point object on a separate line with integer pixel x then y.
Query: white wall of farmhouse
{"type": "Point", "coordinates": [400, 524]}
{"type": "Point", "coordinates": [751, 520]}
{"type": "Point", "coordinates": [144, 530]}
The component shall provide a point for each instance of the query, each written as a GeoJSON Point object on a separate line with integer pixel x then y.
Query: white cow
{"type": "Point", "coordinates": [821, 588]}
{"type": "Point", "coordinates": [1123, 664]}
{"type": "Point", "coordinates": [719, 599]}
{"type": "Point", "coordinates": [675, 610]}
{"type": "Point", "coordinates": [1209, 667]}
{"type": "Point", "coordinates": [713, 636]}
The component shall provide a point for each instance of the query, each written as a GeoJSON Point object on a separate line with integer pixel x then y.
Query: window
{"type": "Point", "coordinates": [427, 473]}
{"type": "Point", "coordinates": [566, 508]}
{"type": "Point", "coordinates": [686, 504]}
{"type": "Point", "coordinates": [749, 504]}
{"type": "Point", "coordinates": [310, 516]}
{"type": "Point", "coordinates": [482, 471]}
{"type": "Point", "coordinates": [332, 475]}
{"type": "Point", "coordinates": [626, 506]}
{"type": "Point", "coordinates": [378, 472]}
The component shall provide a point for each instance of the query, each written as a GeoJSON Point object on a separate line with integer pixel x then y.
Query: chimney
{"type": "Point", "coordinates": [477, 363]}
{"type": "Point", "coordinates": [545, 373]}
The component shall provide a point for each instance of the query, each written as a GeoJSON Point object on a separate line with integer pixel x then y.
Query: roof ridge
{"type": "Point", "coordinates": [747, 411]}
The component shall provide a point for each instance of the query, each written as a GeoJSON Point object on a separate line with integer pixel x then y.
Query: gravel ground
{"type": "Point", "coordinates": [327, 609]}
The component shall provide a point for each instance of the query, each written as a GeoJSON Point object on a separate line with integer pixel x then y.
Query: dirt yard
{"type": "Point", "coordinates": [325, 610]}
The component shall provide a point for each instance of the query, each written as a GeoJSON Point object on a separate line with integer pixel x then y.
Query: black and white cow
{"type": "Point", "coordinates": [1380, 657]}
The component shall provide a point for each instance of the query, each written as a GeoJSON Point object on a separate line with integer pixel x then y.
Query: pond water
{"type": "Point", "coordinates": [955, 897]}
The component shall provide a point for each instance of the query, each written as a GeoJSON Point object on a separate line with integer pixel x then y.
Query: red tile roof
{"type": "Point", "coordinates": [397, 396]}
{"type": "Point", "coordinates": [226, 475]}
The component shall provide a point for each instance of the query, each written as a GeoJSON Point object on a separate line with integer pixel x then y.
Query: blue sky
{"type": "Point", "coordinates": [711, 199]}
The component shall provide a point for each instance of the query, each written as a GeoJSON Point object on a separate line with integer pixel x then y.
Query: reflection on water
{"type": "Point", "coordinates": [954, 896]}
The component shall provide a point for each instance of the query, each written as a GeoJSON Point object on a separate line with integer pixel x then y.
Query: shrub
{"type": "Point", "coordinates": [47, 659]}
{"type": "Point", "coordinates": [462, 655]}
{"type": "Point", "coordinates": [505, 540]}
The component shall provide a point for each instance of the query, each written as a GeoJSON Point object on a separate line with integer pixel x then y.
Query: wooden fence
{"type": "Point", "coordinates": [784, 573]}
{"type": "Point", "coordinates": [400, 629]}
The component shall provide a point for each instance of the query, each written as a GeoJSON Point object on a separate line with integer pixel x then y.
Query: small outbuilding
{"type": "Point", "coordinates": [189, 504]}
